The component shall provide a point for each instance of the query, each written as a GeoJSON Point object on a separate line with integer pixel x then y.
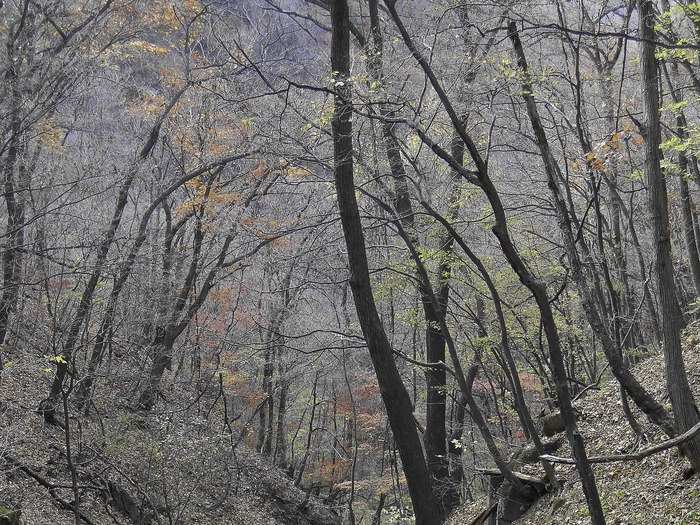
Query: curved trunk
{"type": "Point", "coordinates": [435, 436]}
{"type": "Point", "coordinates": [394, 394]}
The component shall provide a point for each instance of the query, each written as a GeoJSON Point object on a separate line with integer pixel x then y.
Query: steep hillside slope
{"type": "Point", "coordinates": [647, 492]}
{"type": "Point", "coordinates": [179, 466]}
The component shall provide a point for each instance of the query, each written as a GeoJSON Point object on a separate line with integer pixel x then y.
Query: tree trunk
{"type": "Point", "coordinates": [396, 399]}
{"type": "Point", "coordinates": [688, 225]}
{"type": "Point", "coordinates": [269, 402]}
{"type": "Point", "coordinates": [14, 230]}
{"type": "Point", "coordinates": [162, 358]}
{"type": "Point", "coordinates": [281, 431]}
{"type": "Point", "coordinates": [684, 408]}
{"type": "Point", "coordinates": [590, 488]}
{"type": "Point", "coordinates": [435, 436]}
{"type": "Point", "coordinates": [14, 237]}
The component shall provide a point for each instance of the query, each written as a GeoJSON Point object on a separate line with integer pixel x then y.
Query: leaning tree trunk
{"type": "Point", "coordinates": [394, 394]}
{"type": "Point", "coordinates": [65, 362]}
{"type": "Point", "coordinates": [435, 435]}
{"type": "Point", "coordinates": [654, 410]}
{"type": "Point", "coordinates": [538, 288]}
{"type": "Point", "coordinates": [165, 336]}
{"type": "Point", "coordinates": [684, 409]}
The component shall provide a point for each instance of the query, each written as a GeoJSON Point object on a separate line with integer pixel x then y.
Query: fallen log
{"type": "Point", "coordinates": [481, 518]}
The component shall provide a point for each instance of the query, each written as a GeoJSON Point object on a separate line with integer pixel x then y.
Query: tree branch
{"type": "Point", "coordinates": [636, 456]}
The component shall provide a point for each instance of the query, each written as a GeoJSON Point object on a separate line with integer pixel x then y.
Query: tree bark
{"type": "Point", "coordinates": [394, 394]}
{"type": "Point", "coordinates": [684, 408]}
{"type": "Point", "coordinates": [14, 235]}
{"type": "Point", "coordinates": [14, 230]}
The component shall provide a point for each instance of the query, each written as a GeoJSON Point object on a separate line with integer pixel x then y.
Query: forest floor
{"type": "Point", "coordinates": [647, 492]}
{"type": "Point", "coordinates": [174, 467]}
{"type": "Point", "coordinates": [180, 463]}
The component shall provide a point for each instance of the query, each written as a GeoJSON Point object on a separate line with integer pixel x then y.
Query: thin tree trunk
{"type": "Point", "coordinates": [65, 363]}
{"type": "Point", "coordinates": [688, 225]}
{"type": "Point", "coordinates": [464, 380]}
{"type": "Point", "coordinates": [509, 367]}
{"type": "Point", "coordinates": [281, 441]}
{"type": "Point", "coordinates": [270, 402]}
{"type": "Point", "coordinates": [166, 335]}
{"type": "Point", "coordinates": [435, 436]}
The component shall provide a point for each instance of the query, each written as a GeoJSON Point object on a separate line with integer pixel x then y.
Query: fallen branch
{"type": "Point", "coordinates": [635, 456]}
{"type": "Point", "coordinates": [51, 487]}
{"type": "Point", "coordinates": [481, 518]}
{"type": "Point", "coordinates": [592, 386]}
